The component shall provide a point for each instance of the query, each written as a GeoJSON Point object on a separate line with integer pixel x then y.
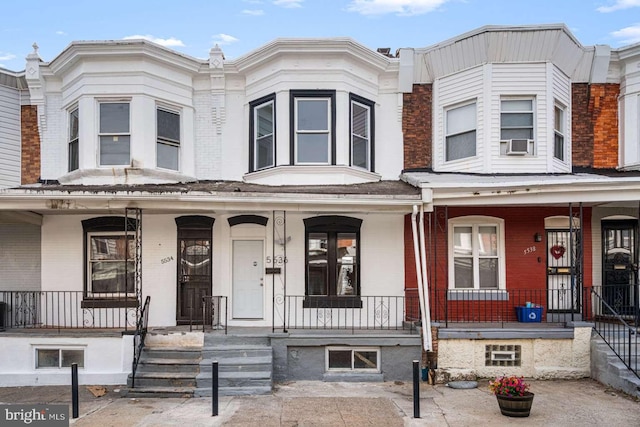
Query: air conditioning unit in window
{"type": "Point", "coordinates": [518, 147]}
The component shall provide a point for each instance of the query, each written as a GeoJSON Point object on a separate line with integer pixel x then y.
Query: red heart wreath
{"type": "Point", "coordinates": [557, 251]}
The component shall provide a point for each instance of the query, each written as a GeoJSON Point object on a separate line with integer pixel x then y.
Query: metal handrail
{"type": "Point", "coordinates": [139, 337]}
{"type": "Point", "coordinates": [626, 351]}
{"type": "Point", "coordinates": [215, 312]}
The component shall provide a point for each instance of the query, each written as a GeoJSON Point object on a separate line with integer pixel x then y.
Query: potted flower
{"type": "Point", "coordinates": [514, 397]}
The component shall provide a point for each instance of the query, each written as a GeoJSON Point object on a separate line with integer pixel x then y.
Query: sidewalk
{"type": "Point", "coordinates": [311, 403]}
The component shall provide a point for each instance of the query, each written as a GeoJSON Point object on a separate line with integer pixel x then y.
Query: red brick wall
{"type": "Point", "coordinates": [594, 124]}
{"type": "Point", "coordinates": [416, 127]}
{"type": "Point", "coordinates": [523, 269]}
{"type": "Point", "coordinates": [30, 163]}
{"type": "Point", "coordinates": [581, 126]}
{"type": "Point", "coordinates": [603, 104]}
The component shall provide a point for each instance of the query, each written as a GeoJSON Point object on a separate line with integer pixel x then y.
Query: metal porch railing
{"type": "Point", "coordinates": [139, 337]}
{"type": "Point", "coordinates": [215, 313]}
{"type": "Point", "coordinates": [614, 328]}
{"type": "Point", "coordinates": [67, 310]}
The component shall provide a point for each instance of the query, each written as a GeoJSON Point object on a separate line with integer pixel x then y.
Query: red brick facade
{"type": "Point", "coordinates": [594, 125]}
{"type": "Point", "coordinates": [526, 260]}
{"type": "Point", "coordinates": [603, 104]}
{"type": "Point", "coordinates": [417, 126]}
{"type": "Point", "coordinates": [30, 152]}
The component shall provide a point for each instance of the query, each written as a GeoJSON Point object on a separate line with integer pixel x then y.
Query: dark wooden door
{"type": "Point", "coordinates": [194, 276]}
{"type": "Point", "coordinates": [619, 254]}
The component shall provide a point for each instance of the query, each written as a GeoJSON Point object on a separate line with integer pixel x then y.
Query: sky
{"type": "Point", "coordinates": [192, 27]}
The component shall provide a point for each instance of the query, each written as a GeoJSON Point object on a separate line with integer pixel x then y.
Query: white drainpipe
{"type": "Point", "coordinates": [426, 333]}
{"type": "Point", "coordinates": [425, 283]}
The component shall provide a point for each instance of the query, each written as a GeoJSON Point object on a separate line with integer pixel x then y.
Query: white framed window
{"type": "Point", "coordinates": [56, 358]}
{"type": "Point", "coordinates": [460, 132]}
{"type": "Point", "coordinates": [114, 134]}
{"type": "Point", "coordinates": [73, 143]}
{"type": "Point", "coordinates": [476, 253]}
{"type": "Point", "coordinates": [313, 127]}
{"type": "Point", "coordinates": [263, 133]}
{"type": "Point", "coordinates": [559, 132]}
{"type": "Point", "coordinates": [110, 264]}
{"type": "Point", "coordinates": [516, 125]}
{"type": "Point", "coordinates": [168, 139]}
{"type": "Point", "coordinates": [361, 132]}
{"type": "Point", "coordinates": [363, 359]}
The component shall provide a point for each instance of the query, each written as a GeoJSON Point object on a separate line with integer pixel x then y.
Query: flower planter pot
{"type": "Point", "coordinates": [515, 406]}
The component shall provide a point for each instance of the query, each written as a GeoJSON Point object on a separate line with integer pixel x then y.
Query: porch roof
{"type": "Point", "coordinates": [590, 186]}
{"type": "Point", "coordinates": [208, 195]}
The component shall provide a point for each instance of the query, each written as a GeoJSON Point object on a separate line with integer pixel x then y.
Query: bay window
{"type": "Point", "coordinates": [460, 132]}
{"type": "Point", "coordinates": [558, 133]}
{"type": "Point", "coordinates": [313, 127]}
{"type": "Point", "coordinates": [262, 140]}
{"type": "Point", "coordinates": [114, 134]}
{"type": "Point", "coordinates": [168, 139]}
{"type": "Point", "coordinates": [73, 153]}
{"type": "Point", "coordinates": [362, 132]}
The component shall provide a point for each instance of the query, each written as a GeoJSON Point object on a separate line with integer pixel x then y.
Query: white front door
{"type": "Point", "coordinates": [248, 279]}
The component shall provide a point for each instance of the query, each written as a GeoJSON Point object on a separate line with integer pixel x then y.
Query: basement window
{"type": "Point", "coordinates": [503, 355]}
{"type": "Point", "coordinates": [59, 357]}
{"type": "Point", "coordinates": [353, 359]}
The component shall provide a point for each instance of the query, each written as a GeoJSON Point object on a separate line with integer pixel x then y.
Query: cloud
{"type": "Point", "coordinates": [628, 35]}
{"type": "Point", "coordinates": [398, 7]}
{"type": "Point", "coordinates": [61, 33]}
{"type": "Point", "coordinates": [619, 5]}
{"type": "Point", "coordinates": [6, 56]}
{"type": "Point", "coordinates": [222, 39]}
{"type": "Point", "coordinates": [170, 42]}
{"type": "Point", "coordinates": [289, 4]}
{"type": "Point", "coordinates": [253, 12]}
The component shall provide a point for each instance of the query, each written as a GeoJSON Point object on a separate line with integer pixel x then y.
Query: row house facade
{"type": "Point", "coordinates": [362, 209]}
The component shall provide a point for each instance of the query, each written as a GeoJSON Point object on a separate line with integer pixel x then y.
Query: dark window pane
{"type": "Point", "coordinates": [114, 150]}
{"type": "Point", "coordinates": [317, 264]}
{"type": "Point", "coordinates": [463, 271]}
{"type": "Point", "coordinates": [74, 159]}
{"type": "Point", "coordinates": [558, 147]}
{"type": "Point", "coordinates": [339, 359]}
{"type": "Point", "coordinates": [48, 358]}
{"type": "Point", "coordinates": [168, 156]}
{"type": "Point", "coordinates": [114, 118]}
{"type": "Point", "coordinates": [461, 146]}
{"type": "Point", "coordinates": [360, 121]}
{"type": "Point", "coordinates": [488, 273]}
{"type": "Point", "coordinates": [313, 114]}
{"type": "Point", "coordinates": [516, 119]}
{"type": "Point", "coordinates": [265, 120]}
{"type": "Point", "coordinates": [346, 263]}
{"type": "Point", "coordinates": [506, 134]}
{"type": "Point", "coordinates": [360, 152]}
{"type": "Point", "coordinates": [365, 359]}
{"type": "Point", "coordinates": [73, 125]}
{"type": "Point", "coordinates": [313, 148]}
{"type": "Point", "coordinates": [264, 152]}
{"type": "Point", "coordinates": [70, 357]}
{"type": "Point", "coordinates": [168, 126]}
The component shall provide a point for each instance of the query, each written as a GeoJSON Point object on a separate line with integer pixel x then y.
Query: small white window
{"type": "Point", "coordinates": [460, 132]}
{"type": "Point", "coordinates": [59, 357]}
{"type": "Point", "coordinates": [559, 133]}
{"type": "Point", "coordinates": [361, 133]}
{"type": "Point", "coordinates": [74, 159]}
{"type": "Point", "coordinates": [263, 135]}
{"type": "Point", "coordinates": [114, 134]}
{"type": "Point", "coordinates": [168, 139]}
{"type": "Point", "coordinates": [476, 253]}
{"type": "Point", "coordinates": [353, 359]}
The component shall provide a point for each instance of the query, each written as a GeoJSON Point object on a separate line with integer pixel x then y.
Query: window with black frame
{"type": "Point", "coordinates": [332, 261]}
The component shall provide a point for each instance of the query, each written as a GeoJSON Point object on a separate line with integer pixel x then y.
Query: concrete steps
{"type": "Point", "coordinates": [165, 372]}
{"type": "Point", "coordinates": [245, 366]}
{"type": "Point", "coordinates": [608, 369]}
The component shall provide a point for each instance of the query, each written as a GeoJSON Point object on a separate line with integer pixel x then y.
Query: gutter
{"type": "Point", "coordinates": [420, 274]}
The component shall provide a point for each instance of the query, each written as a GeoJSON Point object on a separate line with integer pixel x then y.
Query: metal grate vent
{"type": "Point", "coordinates": [502, 355]}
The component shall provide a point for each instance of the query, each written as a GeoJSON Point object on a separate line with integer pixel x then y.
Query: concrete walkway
{"type": "Point", "coordinates": [310, 403]}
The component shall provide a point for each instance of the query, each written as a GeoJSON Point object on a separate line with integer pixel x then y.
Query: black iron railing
{"type": "Point", "coordinates": [215, 313]}
{"type": "Point", "coordinates": [614, 327]}
{"type": "Point", "coordinates": [66, 310]}
{"type": "Point", "coordinates": [139, 337]}
{"type": "Point", "coordinates": [352, 313]}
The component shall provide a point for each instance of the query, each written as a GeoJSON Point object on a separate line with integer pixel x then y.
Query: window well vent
{"type": "Point", "coordinates": [502, 355]}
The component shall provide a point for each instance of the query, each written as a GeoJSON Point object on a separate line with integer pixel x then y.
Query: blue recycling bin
{"type": "Point", "coordinates": [529, 314]}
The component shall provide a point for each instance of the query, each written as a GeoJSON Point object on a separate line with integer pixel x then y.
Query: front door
{"type": "Point", "coordinates": [562, 279]}
{"type": "Point", "coordinates": [248, 279]}
{"type": "Point", "coordinates": [619, 255]}
{"type": "Point", "coordinates": [194, 274]}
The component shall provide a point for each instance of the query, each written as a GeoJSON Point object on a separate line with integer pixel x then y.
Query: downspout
{"type": "Point", "coordinates": [414, 228]}
{"type": "Point", "coordinates": [425, 283]}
